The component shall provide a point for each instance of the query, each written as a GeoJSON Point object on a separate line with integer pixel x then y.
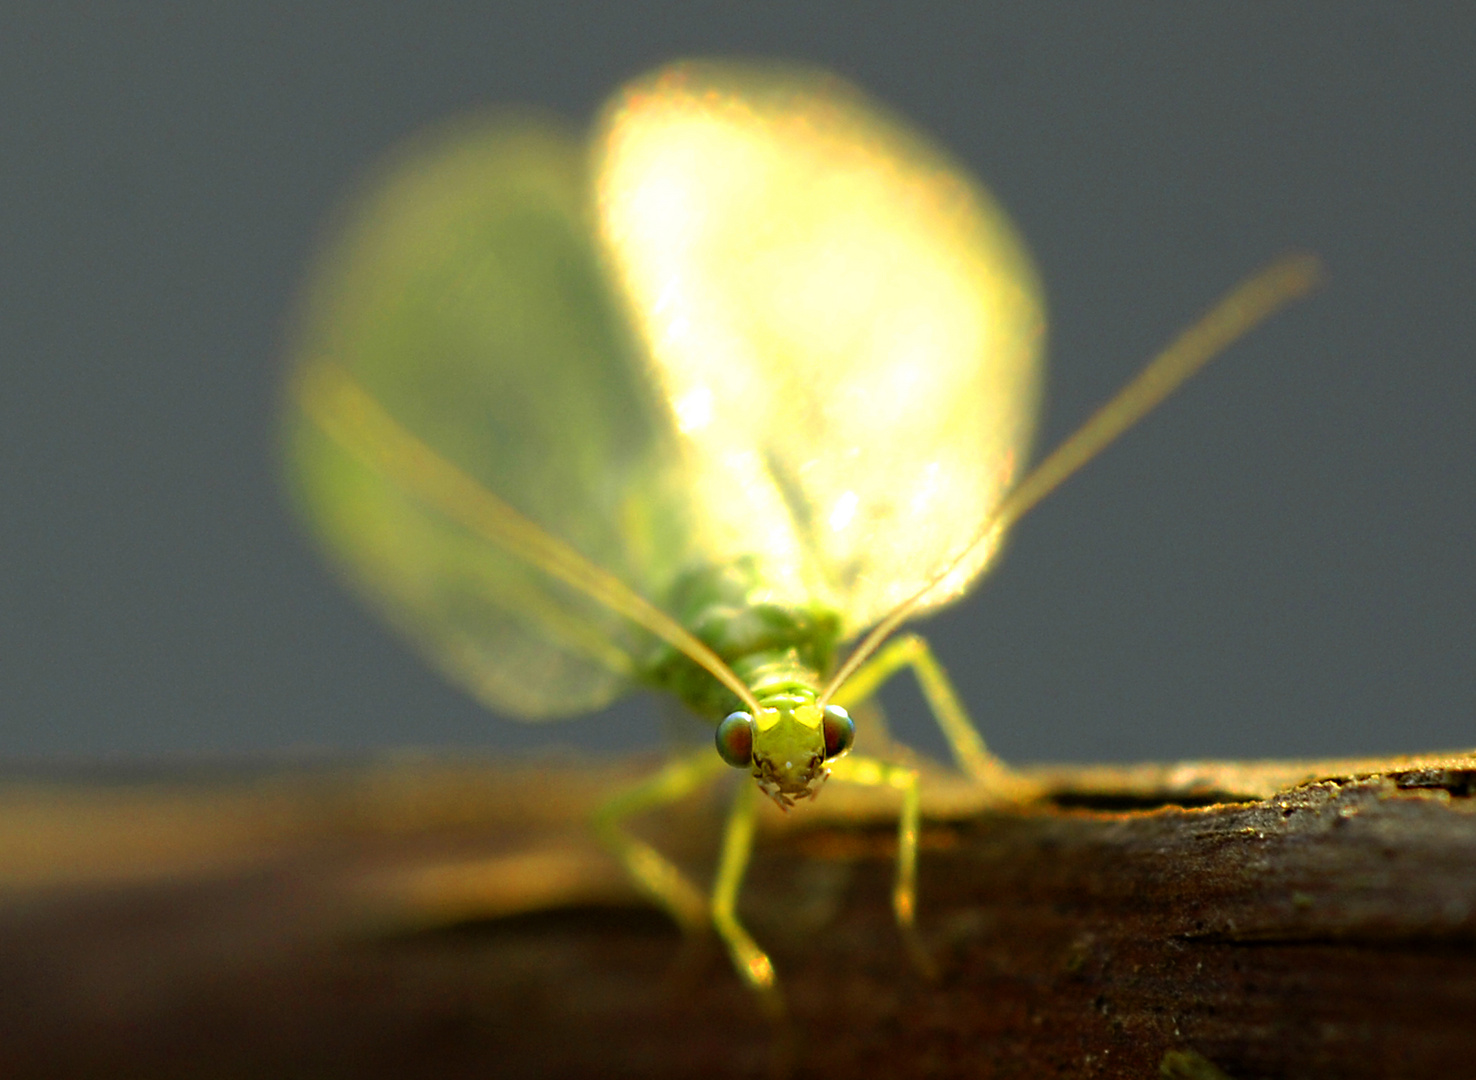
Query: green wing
{"type": "Point", "coordinates": [846, 325]}
{"type": "Point", "coordinates": [465, 296]}
{"type": "Point", "coordinates": [769, 324]}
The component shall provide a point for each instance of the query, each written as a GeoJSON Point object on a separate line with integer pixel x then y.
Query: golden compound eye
{"type": "Point", "coordinates": [840, 731]}
{"type": "Point", "coordinates": [735, 740]}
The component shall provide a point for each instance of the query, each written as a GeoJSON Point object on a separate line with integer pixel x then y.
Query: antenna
{"type": "Point", "coordinates": [1243, 309]}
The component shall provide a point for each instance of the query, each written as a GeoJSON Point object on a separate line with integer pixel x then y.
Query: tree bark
{"type": "Point", "coordinates": [430, 918]}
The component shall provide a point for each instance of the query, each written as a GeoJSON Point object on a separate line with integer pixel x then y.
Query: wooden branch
{"type": "Point", "coordinates": [428, 918]}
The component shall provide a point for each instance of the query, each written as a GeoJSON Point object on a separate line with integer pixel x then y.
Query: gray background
{"type": "Point", "coordinates": [1279, 562]}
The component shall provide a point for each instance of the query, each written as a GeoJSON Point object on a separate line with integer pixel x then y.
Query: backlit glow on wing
{"type": "Point", "coordinates": [846, 330]}
{"type": "Point", "coordinates": [754, 319]}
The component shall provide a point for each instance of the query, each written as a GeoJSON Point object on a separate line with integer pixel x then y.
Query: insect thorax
{"type": "Point", "coordinates": [773, 648]}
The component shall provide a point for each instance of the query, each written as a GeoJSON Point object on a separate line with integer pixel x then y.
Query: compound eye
{"type": "Point", "coordinates": [840, 731]}
{"type": "Point", "coordinates": [735, 740]}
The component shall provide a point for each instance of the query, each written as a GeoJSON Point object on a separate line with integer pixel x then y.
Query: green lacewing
{"type": "Point", "coordinates": [743, 377]}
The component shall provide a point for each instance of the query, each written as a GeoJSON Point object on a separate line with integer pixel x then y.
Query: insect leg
{"type": "Point", "coordinates": [874, 772]}
{"type": "Point", "coordinates": [912, 651]}
{"type": "Point", "coordinates": [753, 963]}
{"type": "Point", "coordinates": [652, 872]}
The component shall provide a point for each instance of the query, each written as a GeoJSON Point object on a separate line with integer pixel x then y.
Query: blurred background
{"type": "Point", "coordinates": [1279, 562]}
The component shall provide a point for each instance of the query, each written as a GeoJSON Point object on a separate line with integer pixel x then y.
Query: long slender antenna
{"type": "Point", "coordinates": [352, 418]}
{"type": "Point", "coordinates": [1248, 305]}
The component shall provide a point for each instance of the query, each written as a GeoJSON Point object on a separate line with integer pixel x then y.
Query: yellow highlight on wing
{"type": "Point", "coordinates": [752, 318]}
{"type": "Point", "coordinates": [846, 330]}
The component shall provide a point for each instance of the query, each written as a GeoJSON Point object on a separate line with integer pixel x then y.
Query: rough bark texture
{"type": "Point", "coordinates": [427, 919]}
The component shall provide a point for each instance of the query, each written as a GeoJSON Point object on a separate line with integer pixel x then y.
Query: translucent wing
{"type": "Point", "coordinates": [761, 322]}
{"type": "Point", "coordinates": [846, 328]}
{"type": "Point", "coordinates": [465, 296]}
